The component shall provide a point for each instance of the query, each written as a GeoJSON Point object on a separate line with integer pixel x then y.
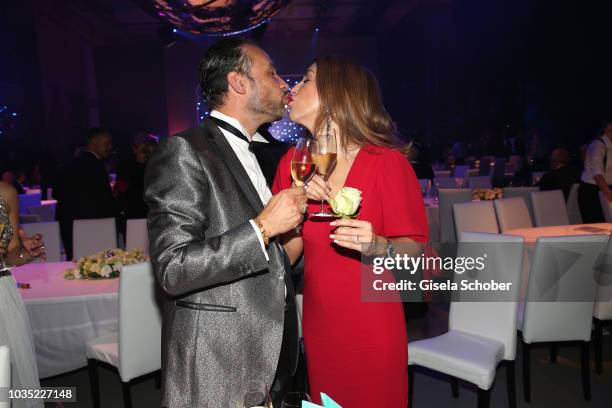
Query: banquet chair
{"type": "Point", "coordinates": [549, 208]}
{"type": "Point", "coordinates": [573, 210]}
{"type": "Point", "coordinates": [479, 182]}
{"type": "Point", "coordinates": [442, 173]}
{"type": "Point", "coordinates": [425, 185]}
{"type": "Point", "coordinates": [94, 235]}
{"type": "Point", "coordinates": [478, 216]}
{"type": "Point", "coordinates": [445, 182]}
{"type": "Point", "coordinates": [482, 331]}
{"type": "Point", "coordinates": [5, 371]}
{"type": "Point", "coordinates": [558, 307]}
{"type": "Point", "coordinates": [45, 213]}
{"type": "Point", "coordinates": [135, 351]}
{"type": "Point", "coordinates": [602, 310]}
{"type": "Point", "coordinates": [137, 236]}
{"type": "Point", "coordinates": [512, 213]}
{"type": "Point", "coordinates": [28, 200]}
{"type": "Point", "coordinates": [524, 192]}
{"type": "Point", "coordinates": [606, 207]}
{"type": "Point", "coordinates": [51, 235]}
{"type": "Point", "coordinates": [28, 218]}
{"type": "Point", "coordinates": [448, 197]}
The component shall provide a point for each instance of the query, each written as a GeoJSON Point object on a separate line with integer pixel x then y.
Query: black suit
{"type": "Point", "coordinates": [560, 178]}
{"type": "Point", "coordinates": [83, 192]}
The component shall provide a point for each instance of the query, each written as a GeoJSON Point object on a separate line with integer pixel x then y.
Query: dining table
{"type": "Point", "coordinates": [65, 314]}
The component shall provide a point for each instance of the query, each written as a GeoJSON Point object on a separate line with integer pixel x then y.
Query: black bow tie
{"type": "Point", "coordinates": [253, 146]}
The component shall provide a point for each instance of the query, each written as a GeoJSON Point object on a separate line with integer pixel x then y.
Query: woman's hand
{"type": "Point", "coordinates": [358, 235]}
{"type": "Point", "coordinates": [318, 189]}
{"type": "Point", "coordinates": [33, 247]}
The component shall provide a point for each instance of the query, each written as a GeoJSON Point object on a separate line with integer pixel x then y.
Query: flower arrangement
{"type": "Point", "coordinates": [487, 193]}
{"type": "Point", "coordinates": [105, 264]}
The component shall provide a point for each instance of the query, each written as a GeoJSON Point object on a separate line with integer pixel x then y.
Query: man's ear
{"type": "Point", "coordinates": [237, 82]}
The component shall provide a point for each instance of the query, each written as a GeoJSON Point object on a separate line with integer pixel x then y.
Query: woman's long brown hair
{"type": "Point", "coordinates": [350, 96]}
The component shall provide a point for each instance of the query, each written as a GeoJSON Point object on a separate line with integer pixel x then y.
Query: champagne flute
{"type": "Point", "coordinates": [4, 245]}
{"type": "Point", "coordinates": [294, 400]}
{"type": "Point", "coordinates": [257, 395]}
{"type": "Point", "coordinates": [302, 166]}
{"type": "Point", "coordinates": [324, 157]}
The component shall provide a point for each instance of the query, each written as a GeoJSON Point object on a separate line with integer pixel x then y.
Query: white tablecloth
{"type": "Point", "coordinates": [66, 314]}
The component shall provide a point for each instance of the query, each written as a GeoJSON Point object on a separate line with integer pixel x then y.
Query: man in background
{"type": "Point", "coordinates": [562, 175]}
{"type": "Point", "coordinates": [83, 190]}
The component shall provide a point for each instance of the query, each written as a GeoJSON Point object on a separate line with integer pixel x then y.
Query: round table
{"type": "Point", "coordinates": [65, 314]}
{"type": "Point", "coordinates": [532, 234]}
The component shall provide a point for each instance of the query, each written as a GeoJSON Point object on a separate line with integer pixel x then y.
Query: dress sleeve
{"type": "Point", "coordinates": [282, 180]}
{"type": "Point", "coordinates": [402, 204]}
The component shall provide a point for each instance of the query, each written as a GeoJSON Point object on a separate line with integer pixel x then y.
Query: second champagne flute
{"type": "Point", "coordinates": [324, 156]}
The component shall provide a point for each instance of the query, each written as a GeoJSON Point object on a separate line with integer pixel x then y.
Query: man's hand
{"type": "Point", "coordinates": [284, 211]}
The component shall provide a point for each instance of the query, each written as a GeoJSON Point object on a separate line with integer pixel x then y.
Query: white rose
{"type": "Point", "coordinates": [346, 202]}
{"type": "Point", "coordinates": [117, 266]}
{"type": "Point", "coordinates": [106, 271]}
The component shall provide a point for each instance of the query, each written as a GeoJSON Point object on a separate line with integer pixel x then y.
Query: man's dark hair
{"type": "Point", "coordinates": [223, 57]}
{"type": "Point", "coordinates": [95, 132]}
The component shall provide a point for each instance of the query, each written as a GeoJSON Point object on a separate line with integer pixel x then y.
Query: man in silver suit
{"type": "Point", "coordinates": [229, 315]}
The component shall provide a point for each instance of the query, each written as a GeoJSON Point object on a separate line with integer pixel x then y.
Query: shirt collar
{"type": "Point", "coordinates": [89, 151]}
{"type": "Point", "coordinates": [236, 123]}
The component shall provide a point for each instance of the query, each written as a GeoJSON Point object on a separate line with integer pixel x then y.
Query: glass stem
{"type": "Point", "coordinates": [322, 202]}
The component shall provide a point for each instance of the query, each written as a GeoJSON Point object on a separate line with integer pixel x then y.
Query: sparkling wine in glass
{"type": "Point", "coordinates": [324, 157]}
{"type": "Point", "coordinates": [302, 166]}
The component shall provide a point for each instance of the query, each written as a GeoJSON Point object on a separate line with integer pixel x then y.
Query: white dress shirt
{"type": "Point", "coordinates": [594, 161]}
{"type": "Point", "coordinates": [249, 163]}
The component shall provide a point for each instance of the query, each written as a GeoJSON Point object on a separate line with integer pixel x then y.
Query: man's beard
{"type": "Point", "coordinates": [266, 106]}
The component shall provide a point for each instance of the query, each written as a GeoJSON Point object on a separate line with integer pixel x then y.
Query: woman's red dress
{"type": "Point", "coordinates": [356, 351]}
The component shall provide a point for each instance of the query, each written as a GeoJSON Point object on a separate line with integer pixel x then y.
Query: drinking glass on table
{"type": "Point", "coordinates": [324, 157]}
{"type": "Point", "coordinates": [294, 400]}
{"type": "Point", "coordinates": [257, 395]}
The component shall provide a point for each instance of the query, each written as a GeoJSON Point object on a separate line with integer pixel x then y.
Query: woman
{"type": "Point", "coordinates": [14, 323]}
{"type": "Point", "coordinates": [356, 351]}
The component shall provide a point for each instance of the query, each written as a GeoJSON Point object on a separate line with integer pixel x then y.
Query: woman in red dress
{"type": "Point", "coordinates": [356, 351]}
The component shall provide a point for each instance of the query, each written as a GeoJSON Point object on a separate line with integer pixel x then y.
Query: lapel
{"type": "Point", "coordinates": [233, 163]}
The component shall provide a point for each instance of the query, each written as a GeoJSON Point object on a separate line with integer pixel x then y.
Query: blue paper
{"type": "Point", "coordinates": [328, 402]}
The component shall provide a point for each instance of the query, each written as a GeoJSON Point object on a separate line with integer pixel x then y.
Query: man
{"type": "Point", "coordinates": [596, 177]}
{"type": "Point", "coordinates": [229, 316]}
{"type": "Point", "coordinates": [562, 175]}
{"type": "Point", "coordinates": [84, 191]}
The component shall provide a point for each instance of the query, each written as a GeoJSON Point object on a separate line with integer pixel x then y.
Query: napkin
{"type": "Point", "coordinates": [327, 403]}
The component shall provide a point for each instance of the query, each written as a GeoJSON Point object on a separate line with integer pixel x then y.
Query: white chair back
{"type": "Point", "coordinates": [512, 213]}
{"type": "Point", "coordinates": [549, 208]}
{"type": "Point", "coordinates": [524, 192]}
{"type": "Point", "coordinates": [561, 288]}
{"type": "Point", "coordinates": [45, 213]}
{"type": "Point", "coordinates": [28, 200]}
{"type": "Point", "coordinates": [5, 371]}
{"type": "Point", "coordinates": [448, 197]}
{"type": "Point", "coordinates": [91, 236]}
{"type": "Point", "coordinates": [445, 182]}
{"type": "Point", "coordinates": [479, 182]}
{"type": "Point", "coordinates": [478, 216]}
{"type": "Point", "coordinates": [139, 322]}
{"type": "Point", "coordinates": [573, 210]}
{"type": "Point", "coordinates": [606, 207]}
{"type": "Point", "coordinates": [603, 299]}
{"type": "Point", "coordinates": [137, 236]}
{"type": "Point", "coordinates": [491, 319]}
{"type": "Point", "coordinates": [51, 235]}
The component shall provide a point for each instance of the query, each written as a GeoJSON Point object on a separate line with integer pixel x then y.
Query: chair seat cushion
{"type": "Point", "coordinates": [104, 348]}
{"type": "Point", "coordinates": [465, 356]}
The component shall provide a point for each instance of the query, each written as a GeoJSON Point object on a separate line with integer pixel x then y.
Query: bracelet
{"type": "Point", "coordinates": [266, 239]}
